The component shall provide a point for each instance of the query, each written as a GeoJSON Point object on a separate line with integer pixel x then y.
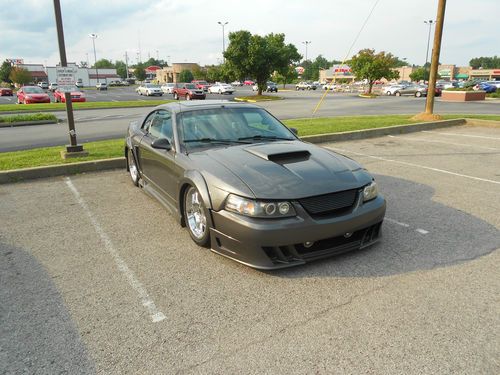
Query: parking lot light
{"type": "Point", "coordinates": [93, 37]}
{"type": "Point", "coordinates": [223, 24]}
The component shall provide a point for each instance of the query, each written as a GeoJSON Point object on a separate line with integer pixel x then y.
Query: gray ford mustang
{"type": "Point", "coordinates": [244, 184]}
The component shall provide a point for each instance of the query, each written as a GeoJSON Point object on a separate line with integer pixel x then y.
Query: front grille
{"type": "Point", "coordinates": [334, 203]}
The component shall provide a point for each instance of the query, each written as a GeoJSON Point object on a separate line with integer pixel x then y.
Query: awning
{"type": "Point", "coordinates": [462, 76]}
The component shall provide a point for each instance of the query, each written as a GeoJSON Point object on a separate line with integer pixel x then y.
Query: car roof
{"type": "Point", "coordinates": [178, 107]}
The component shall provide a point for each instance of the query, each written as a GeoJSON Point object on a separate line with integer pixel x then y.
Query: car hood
{"type": "Point", "coordinates": [279, 170]}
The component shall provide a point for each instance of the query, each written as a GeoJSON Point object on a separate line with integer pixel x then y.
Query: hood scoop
{"type": "Point", "coordinates": [281, 153]}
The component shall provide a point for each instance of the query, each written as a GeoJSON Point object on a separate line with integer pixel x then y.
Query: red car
{"type": "Point", "coordinates": [188, 91]}
{"type": "Point", "coordinates": [31, 94]}
{"type": "Point", "coordinates": [200, 84]}
{"type": "Point", "coordinates": [76, 96]}
{"type": "Point", "coordinates": [248, 82]}
{"type": "Point", "coordinates": [5, 91]}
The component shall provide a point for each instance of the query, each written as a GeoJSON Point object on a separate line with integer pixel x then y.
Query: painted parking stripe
{"type": "Point", "coordinates": [446, 143]}
{"type": "Point", "coordinates": [419, 230]}
{"type": "Point", "coordinates": [155, 314]}
{"type": "Point", "coordinates": [461, 135]}
{"type": "Point", "coordinates": [418, 166]}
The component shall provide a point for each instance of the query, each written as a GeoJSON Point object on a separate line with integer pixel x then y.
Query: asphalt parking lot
{"type": "Point", "coordinates": [98, 278]}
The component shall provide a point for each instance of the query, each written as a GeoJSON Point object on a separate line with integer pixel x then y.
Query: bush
{"type": "Point", "coordinates": [28, 117]}
{"type": "Point", "coordinates": [460, 89]}
{"type": "Point", "coordinates": [494, 94]}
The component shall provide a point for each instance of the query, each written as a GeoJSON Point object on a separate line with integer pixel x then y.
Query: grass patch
{"type": "Point", "coordinates": [258, 98]}
{"type": "Point", "coordinates": [28, 117]}
{"type": "Point", "coordinates": [52, 155]}
{"type": "Point", "coordinates": [114, 148]}
{"type": "Point", "coordinates": [88, 105]}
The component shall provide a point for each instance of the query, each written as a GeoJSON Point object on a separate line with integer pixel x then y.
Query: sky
{"type": "Point", "coordinates": [188, 30]}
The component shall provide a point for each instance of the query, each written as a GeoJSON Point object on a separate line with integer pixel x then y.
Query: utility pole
{"type": "Point", "coordinates": [93, 37]}
{"type": "Point", "coordinates": [223, 24]}
{"type": "Point", "coordinates": [307, 42]}
{"type": "Point", "coordinates": [73, 149]}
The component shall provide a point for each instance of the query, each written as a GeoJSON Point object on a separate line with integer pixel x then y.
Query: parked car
{"type": "Point", "coordinates": [32, 94]}
{"type": "Point", "coordinates": [201, 84]}
{"type": "Point", "coordinates": [494, 83]}
{"type": "Point", "coordinates": [101, 86]}
{"type": "Point", "coordinates": [188, 91]}
{"type": "Point", "coordinates": [79, 83]}
{"type": "Point", "coordinates": [237, 83]}
{"type": "Point", "coordinates": [168, 88]}
{"type": "Point", "coordinates": [124, 83]}
{"type": "Point", "coordinates": [53, 86]}
{"type": "Point", "coordinates": [270, 87]}
{"type": "Point", "coordinates": [6, 91]}
{"type": "Point", "coordinates": [221, 88]}
{"type": "Point", "coordinates": [76, 96]}
{"type": "Point", "coordinates": [423, 89]}
{"type": "Point", "coordinates": [149, 89]}
{"type": "Point", "coordinates": [392, 89]}
{"type": "Point", "coordinates": [248, 82]}
{"type": "Point", "coordinates": [305, 86]}
{"type": "Point", "coordinates": [485, 87]}
{"type": "Point", "coordinates": [248, 188]}
{"type": "Point", "coordinates": [43, 85]}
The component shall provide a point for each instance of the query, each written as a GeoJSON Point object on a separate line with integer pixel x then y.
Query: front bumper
{"type": "Point", "coordinates": [279, 243]}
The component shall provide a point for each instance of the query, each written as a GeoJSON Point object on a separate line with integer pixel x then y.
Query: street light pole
{"type": "Point", "coordinates": [307, 42]}
{"type": "Point", "coordinates": [430, 23]}
{"type": "Point", "coordinates": [93, 37]}
{"type": "Point", "coordinates": [223, 24]}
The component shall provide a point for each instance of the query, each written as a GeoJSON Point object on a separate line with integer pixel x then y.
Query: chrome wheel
{"type": "Point", "coordinates": [188, 97]}
{"type": "Point", "coordinates": [196, 218]}
{"type": "Point", "coordinates": [132, 167]}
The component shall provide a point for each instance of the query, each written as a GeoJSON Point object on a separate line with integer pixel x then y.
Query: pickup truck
{"type": "Point", "coordinates": [189, 91]}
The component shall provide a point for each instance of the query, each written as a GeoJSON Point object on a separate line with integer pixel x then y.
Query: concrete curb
{"type": "Point", "coordinates": [16, 175]}
{"type": "Point", "coordinates": [26, 123]}
{"type": "Point", "coordinates": [119, 163]}
{"type": "Point", "coordinates": [378, 132]}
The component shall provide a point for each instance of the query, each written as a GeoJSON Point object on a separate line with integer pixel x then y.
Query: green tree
{"type": "Point", "coordinates": [103, 64]}
{"type": "Point", "coordinates": [485, 62]}
{"type": "Point", "coordinates": [186, 76]}
{"type": "Point", "coordinates": [199, 73]}
{"type": "Point", "coordinates": [255, 56]}
{"type": "Point", "coordinates": [121, 69]}
{"type": "Point", "coordinates": [20, 76]}
{"type": "Point", "coordinates": [372, 67]}
{"type": "Point", "coordinates": [420, 74]}
{"type": "Point", "coordinates": [140, 73]}
{"type": "Point", "coordinates": [285, 76]}
{"type": "Point", "coordinates": [5, 70]}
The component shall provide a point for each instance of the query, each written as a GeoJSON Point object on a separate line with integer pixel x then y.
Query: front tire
{"type": "Point", "coordinates": [397, 93]}
{"type": "Point", "coordinates": [196, 217]}
{"type": "Point", "coordinates": [418, 94]}
{"type": "Point", "coordinates": [176, 96]}
{"type": "Point", "coordinates": [132, 168]}
{"type": "Point", "coordinates": [188, 97]}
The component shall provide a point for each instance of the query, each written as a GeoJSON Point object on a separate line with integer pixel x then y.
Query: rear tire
{"type": "Point", "coordinates": [176, 96]}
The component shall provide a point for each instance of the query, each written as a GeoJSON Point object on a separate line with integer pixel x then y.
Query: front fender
{"type": "Point", "coordinates": [193, 178]}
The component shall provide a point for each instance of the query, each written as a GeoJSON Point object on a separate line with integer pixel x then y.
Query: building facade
{"type": "Point", "coordinates": [171, 73]}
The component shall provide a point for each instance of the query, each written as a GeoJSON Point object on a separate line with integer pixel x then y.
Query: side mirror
{"type": "Point", "coordinates": [161, 144]}
{"type": "Point", "coordinates": [295, 131]}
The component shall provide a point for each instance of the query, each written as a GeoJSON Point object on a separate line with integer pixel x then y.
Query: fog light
{"type": "Point", "coordinates": [308, 244]}
{"type": "Point", "coordinates": [348, 234]}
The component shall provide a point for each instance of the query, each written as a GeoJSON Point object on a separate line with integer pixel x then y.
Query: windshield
{"type": "Point", "coordinates": [33, 90]}
{"type": "Point", "coordinates": [190, 86]}
{"type": "Point", "coordinates": [217, 127]}
{"type": "Point", "coordinates": [153, 86]}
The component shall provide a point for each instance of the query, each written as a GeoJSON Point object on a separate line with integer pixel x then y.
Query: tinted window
{"type": "Point", "coordinates": [33, 90]}
{"type": "Point", "coordinates": [159, 125]}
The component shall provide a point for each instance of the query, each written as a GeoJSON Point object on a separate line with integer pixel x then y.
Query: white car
{"type": "Point", "coordinates": [392, 89]}
{"type": "Point", "coordinates": [101, 86]}
{"type": "Point", "coordinates": [168, 88]}
{"type": "Point", "coordinates": [149, 89]}
{"type": "Point", "coordinates": [237, 83]}
{"type": "Point", "coordinates": [221, 88]}
{"type": "Point", "coordinates": [53, 86]}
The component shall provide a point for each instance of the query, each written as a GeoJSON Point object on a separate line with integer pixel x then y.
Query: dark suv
{"type": "Point", "coordinates": [188, 91]}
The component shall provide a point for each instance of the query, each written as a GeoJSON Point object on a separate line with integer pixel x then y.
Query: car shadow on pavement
{"type": "Point", "coordinates": [37, 334]}
{"type": "Point", "coordinates": [418, 234]}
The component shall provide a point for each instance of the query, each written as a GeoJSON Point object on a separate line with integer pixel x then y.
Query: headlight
{"type": "Point", "coordinates": [370, 191]}
{"type": "Point", "coordinates": [250, 207]}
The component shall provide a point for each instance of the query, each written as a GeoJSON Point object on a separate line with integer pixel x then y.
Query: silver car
{"type": "Point", "coordinates": [168, 88]}
{"type": "Point", "coordinates": [149, 89]}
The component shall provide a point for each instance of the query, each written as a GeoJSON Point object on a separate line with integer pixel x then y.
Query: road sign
{"type": "Point", "coordinates": [66, 78]}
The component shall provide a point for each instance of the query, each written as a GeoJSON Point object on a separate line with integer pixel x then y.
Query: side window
{"type": "Point", "coordinates": [147, 122]}
{"type": "Point", "coordinates": [159, 125]}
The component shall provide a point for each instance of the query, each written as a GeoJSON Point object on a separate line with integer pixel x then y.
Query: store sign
{"type": "Point", "coordinates": [445, 72]}
{"type": "Point", "coordinates": [66, 78]}
{"type": "Point", "coordinates": [16, 61]}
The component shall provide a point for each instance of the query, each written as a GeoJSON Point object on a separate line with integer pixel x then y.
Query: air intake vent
{"type": "Point", "coordinates": [289, 156]}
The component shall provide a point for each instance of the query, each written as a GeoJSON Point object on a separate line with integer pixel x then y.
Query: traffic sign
{"type": "Point", "coordinates": [66, 78]}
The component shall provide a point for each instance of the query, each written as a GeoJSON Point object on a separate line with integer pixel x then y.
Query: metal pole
{"type": "Point", "coordinates": [73, 146]}
{"type": "Point", "coordinates": [436, 50]}
{"type": "Point", "coordinates": [126, 64]}
{"type": "Point", "coordinates": [223, 40]}
{"type": "Point", "coordinates": [307, 42]}
{"type": "Point", "coordinates": [94, 36]}
{"type": "Point", "coordinates": [430, 22]}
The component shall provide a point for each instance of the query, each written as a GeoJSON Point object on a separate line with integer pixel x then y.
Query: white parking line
{"type": "Point", "coordinates": [147, 301]}
{"type": "Point", "coordinates": [446, 143]}
{"type": "Point", "coordinates": [460, 135]}
{"type": "Point", "coordinates": [419, 230]}
{"type": "Point", "coordinates": [418, 166]}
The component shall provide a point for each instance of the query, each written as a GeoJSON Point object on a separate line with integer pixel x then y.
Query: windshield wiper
{"type": "Point", "coordinates": [213, 140]}
{"type": "Point", "coordinates": [270, 137]}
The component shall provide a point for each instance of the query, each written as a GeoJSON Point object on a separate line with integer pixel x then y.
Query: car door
{"type": "Point", "coordinates": [159, 165]}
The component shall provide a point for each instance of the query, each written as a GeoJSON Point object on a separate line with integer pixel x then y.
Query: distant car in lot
{"type": "Point", "coordinates": [6, 91]}
{"type": "Point", "coordinates": [101, 86]}
{"type": "Point", "coordinates": [392, 89]}
{"type": "Point", "coordinates": [485, 87]}
{"type": "Point", "coordinates": [53, 86]}
{"type": "Point", "coordinates": [43, 85]}
{"type": "Point", "coordinates": [247, 187]}
{"type": "Point", "coordinates": [168, 88]}
{"type": "Point", "coordinates": [446, 84]}
{"type": "Point", "coordinates": [423, 89]}
{"type": "Point", "coordinates": [201, 84]}
{"type": "Point", "coordinates": [76, 96]}
{"type": "Point", "coordinates": [124, 83]}
{"type": "Point", "coordinates": [270, 87]}
{"type": "Point", "coordinates": [221, 88]}
{"type": "Point", "coordinates": [149, 89]}
{"type": "Point", "coordinates": [331, 86]}
{"type": "Point", "coordinates": [188, 91]}
{"type": "Point", "coordinates": [248, 82]}
{"type": "Point", "coordinates": [305, 86]}
{"type": "Point", "coordinates": [31, 95]}
{"type": "Point", "coordinates": [494, 83]}
{"type": "Point", "coordinates": [236, 83]}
